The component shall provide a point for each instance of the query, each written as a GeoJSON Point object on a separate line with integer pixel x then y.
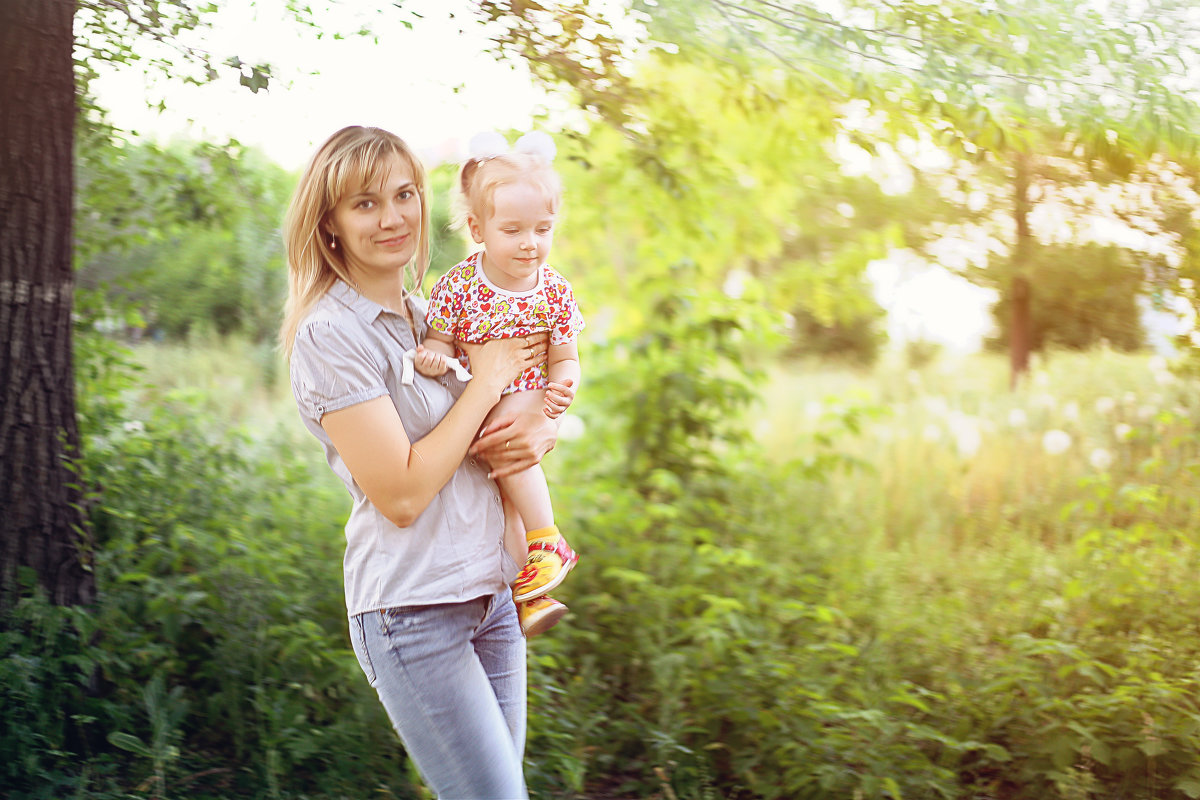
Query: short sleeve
{"type": "Point", "coordinates": [332, 369]}
{"type": "Point", "coordinates": [568, 322]}
{"type": "Point", "coordinates": [442, 313]}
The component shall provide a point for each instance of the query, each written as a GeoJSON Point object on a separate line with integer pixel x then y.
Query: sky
{"type": "Point", "coordinates": [436, 87]}
{"type": "Point", "coordinates": [433, 85]}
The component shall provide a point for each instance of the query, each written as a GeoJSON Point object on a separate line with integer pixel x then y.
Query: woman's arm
{"type": "Point", "coordinates": [515, 441]}
{"type": "Point", "coordinates": [400, 477]}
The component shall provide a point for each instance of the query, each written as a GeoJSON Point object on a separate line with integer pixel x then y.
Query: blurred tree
{"type": "Point", "coordinates": [1087, 295]}
{"type": "Point", "coordinates": [1008, 81]}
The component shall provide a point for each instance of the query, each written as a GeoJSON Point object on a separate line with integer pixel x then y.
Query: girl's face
{"type": "Point", "coordinates": [516, 237]}
{"type": "Point", "coordinates": [377, 227]}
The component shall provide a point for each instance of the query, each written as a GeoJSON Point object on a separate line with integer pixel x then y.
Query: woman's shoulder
{"type": "Point", "coordinates": [334, 316]}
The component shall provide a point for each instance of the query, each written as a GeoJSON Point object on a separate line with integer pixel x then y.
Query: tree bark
{"type": "Point", "coordinates": [1020, 329]}
{"type": "Point", "coordinates": [42, 522]}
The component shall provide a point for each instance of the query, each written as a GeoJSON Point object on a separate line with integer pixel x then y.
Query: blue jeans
{"type": "Point", "coordinates": [452, 679]}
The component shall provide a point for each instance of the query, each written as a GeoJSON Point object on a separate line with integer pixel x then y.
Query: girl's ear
{"type": "Point", "coordinates": [475, 228]}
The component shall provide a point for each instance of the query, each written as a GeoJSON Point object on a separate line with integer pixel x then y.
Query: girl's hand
{"type": "Point", "coordinates": [559, 397]}
{"type": "Point", "coordinates": [429, 362]}
{"type": "Point", "coordinates": [515, 441]}
{"type": "Point", "coordinates": [498, 362]}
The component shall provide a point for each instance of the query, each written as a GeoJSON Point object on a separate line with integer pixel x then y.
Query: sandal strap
{"type": "Point", "coordinates": [525, 577]}
{"type": "Point", "coordinates": [559, 548]}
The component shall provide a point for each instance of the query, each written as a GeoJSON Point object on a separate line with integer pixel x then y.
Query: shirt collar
{"type": "Point", "coordinates": [366, 309]}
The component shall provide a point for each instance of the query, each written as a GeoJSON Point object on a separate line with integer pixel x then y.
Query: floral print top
{"type": "Point", "coordinates": [464, 304]}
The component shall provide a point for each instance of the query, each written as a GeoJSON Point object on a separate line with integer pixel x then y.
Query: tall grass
{"type": "Point", "coordinates": [240, 381]}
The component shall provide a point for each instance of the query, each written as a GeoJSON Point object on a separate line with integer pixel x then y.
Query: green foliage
{"type": "Point", "coordinates": [687, 372]}
{"type": "Point", "coordinates": [447, 246]}
{"type": "Point", "coordinates": [858, 340]}
{"type": "Point", "coordinates": [190, 235]}
{"type": "Point", "coordinates": [744, 188]}
{"type": "Point", "coordinates": [47, 688]}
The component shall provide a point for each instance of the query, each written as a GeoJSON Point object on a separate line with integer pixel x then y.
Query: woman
{"type": "Point", "coordinates": [431, 614]}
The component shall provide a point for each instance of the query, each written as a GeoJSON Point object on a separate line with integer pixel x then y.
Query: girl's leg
{"type": "Point", "coordinates": [533, 525]}
{"type": "Point", "coordinates": [536, 616]}
{"type": "Point", "coordinates": [452, 679]}
{"type": "Point", "coordinates": [526, 489]}
{"type": "Point", "coordinates": [514, 532]}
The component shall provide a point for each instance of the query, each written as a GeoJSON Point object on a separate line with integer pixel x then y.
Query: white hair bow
{"type": "Point", "coordinates": [491, 144]}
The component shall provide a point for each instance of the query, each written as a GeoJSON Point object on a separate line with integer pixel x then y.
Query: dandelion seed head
{"type": "Point", "coordinates": [967, 440]}
{"type": "Point", "coordinates": [1055, 442]}
{"type": "Point", "coordinates": [1100, 458]}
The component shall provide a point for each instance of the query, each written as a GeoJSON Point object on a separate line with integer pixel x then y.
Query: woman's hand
{"type": "Point", "coordinates": [498, 362]}
{"type": "Point", "coordinates": [516, 440]}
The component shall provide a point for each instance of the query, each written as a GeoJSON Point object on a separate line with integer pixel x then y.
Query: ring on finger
{"type": "Point", "coordinates": [506, 444]}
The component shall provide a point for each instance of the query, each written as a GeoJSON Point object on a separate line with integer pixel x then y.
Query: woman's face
{"type": "Point", "coordinates": [377, 227]}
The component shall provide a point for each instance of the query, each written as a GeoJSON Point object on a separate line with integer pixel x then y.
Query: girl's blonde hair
{"type": "Point", "coordinates": [350, 159]}
{"type": "Point", "coordinates": [480, 177]}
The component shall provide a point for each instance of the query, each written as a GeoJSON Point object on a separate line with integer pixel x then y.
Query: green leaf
{"type": "Point", "coordinates": [128, 742]}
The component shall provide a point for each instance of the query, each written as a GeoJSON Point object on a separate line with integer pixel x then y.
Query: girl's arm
{"type": "Point", "coordinates": [434, 354]}
{"type": "Point", "coordinates": [401, 477]}
{"type": "Point", "coordinates": [439, 343]}
{"type": "Point", "coordinates": [562, 365]}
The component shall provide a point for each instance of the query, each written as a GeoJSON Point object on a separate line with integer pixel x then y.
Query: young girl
{"type": "Point", "coordinates": [510, 201]}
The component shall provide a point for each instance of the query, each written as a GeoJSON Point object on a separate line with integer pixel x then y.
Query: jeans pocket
{"type": "Point", "coordinates": [358, 635]}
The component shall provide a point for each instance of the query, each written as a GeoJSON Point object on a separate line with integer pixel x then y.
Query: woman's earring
{"type": "Point", "coordinates": [333, 241]}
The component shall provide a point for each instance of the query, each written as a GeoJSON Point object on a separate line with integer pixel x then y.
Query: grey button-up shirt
{"type": "Point", "coordinates": [349, 350]}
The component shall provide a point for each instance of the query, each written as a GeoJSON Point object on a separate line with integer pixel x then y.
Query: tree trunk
{"type": "Point", "coordinates": [42, 523]}
{"type": "Point", "coordinates": [1020, 329]}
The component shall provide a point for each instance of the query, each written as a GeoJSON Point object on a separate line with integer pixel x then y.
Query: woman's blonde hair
{"type": "Point", "coordinates": [350, 159]}
{"type": "Point", "coordinates": [480, 177]}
